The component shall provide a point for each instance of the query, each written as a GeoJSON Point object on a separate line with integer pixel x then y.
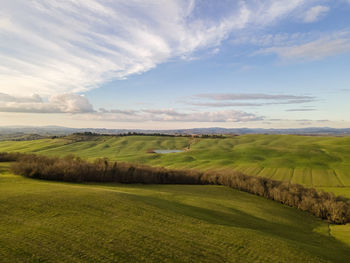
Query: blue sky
{"type": "Point", "coordinates": [175, 64]}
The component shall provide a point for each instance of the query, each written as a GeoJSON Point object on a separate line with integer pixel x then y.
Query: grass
{"type": "Point", "coordinates": [312, 161]}
{"type": "Point", "coordinates": [45, 221]}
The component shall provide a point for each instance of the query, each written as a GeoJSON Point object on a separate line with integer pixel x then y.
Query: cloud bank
{"type": "Point", "coordinates": [80, 106]}
{"type": "Point", "coordinates": [246, 99]}
{"type": "Point", "coordinates": [61, 103]}
{"type": "Point", "coordinates": [172, 115]}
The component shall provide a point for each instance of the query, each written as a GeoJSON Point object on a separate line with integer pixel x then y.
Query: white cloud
{"type": "Point", "coordinates": [314, 13]}
{"type": "Point", "coordinates": [245, 99]}
{"type": "Point", "coordinates": [80, 106]}
{"type": "Point", "coordinates": [172, 115]}
{"type": "Point", "coordinates": [335, 44]}
{"type": "Point", "coordinates": [8, 98]}
{"type": "Point", "coordinates": [269, 11]}
{"type": "Point", "coordinates": [251, 96]}
{"type": "Point", "coordinates": [52, 47]}
{"type": "Point", "coordinates": [301, 109]}
{"type": "Point", "coordinates": [61, 103]}
{"type": "Point", "coordinates": [71, 103]}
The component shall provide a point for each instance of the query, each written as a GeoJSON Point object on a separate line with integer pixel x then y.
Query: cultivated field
{"type": "Point", "coordinates": [311, 161]}
{"type": "Point", "coordinates": [43, 221]}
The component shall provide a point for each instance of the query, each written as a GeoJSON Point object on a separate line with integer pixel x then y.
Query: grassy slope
{"type": "Point", "coordinates": [50, 221]}
{"type": "Point", "coordinates": [312, 161]}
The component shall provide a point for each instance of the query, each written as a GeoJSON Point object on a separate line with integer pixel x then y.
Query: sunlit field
{"type": "Point", "coordinates": [51, 221]}
{"type": "Point", "coordinates": [45, 221]}
{"type": "Point", "coordinates": [311, 161]}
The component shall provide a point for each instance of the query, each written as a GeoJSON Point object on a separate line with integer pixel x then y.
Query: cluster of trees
{"type": "Point", "coordinates": [11, 157]}
{"type": "Point", "coordinates": [216, 136]}
{"type": "Point", "coordinates": [123, 134]}
{"type": "Point", "coordinates": [335, 209]}
{"type": "Point", "coordinates": [75, 169]}
{"type": "Point", "coordinates": [325, 205]}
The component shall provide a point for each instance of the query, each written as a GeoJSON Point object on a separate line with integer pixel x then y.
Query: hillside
{"type": "Point", "coordinates": [46, 221]}
{"type": "Point", "coordinates": [312, 161]}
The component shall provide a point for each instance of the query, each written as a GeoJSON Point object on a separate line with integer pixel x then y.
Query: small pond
{"type": "Point", "coordinates": [168, 151]}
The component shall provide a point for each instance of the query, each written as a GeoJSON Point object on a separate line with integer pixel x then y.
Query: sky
{"type": "Point", "coordinates": [166, 64]}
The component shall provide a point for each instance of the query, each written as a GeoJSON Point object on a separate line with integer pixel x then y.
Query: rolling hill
{"type": "Point", "coordinates": [308, 160]}
{"type": "Point", "coordinates": [45, 221]}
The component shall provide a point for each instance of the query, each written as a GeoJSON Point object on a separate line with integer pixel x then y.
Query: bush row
{"type": "Point", "coordinates": [11, 157]}
{"type": "Point", "coordinates": [335, 209]}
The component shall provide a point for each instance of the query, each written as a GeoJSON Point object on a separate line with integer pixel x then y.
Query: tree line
{"type": "Point", "coordinates": [11, 157]}
{"type": "Point", "coordinates": [335, 209]}
{"type": "Point", "coordinates": [214, 136]}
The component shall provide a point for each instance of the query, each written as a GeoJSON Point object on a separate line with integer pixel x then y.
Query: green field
{"type": "Point", "coordinates": [312, 161]}
{"type": "Point", "coordinates": [43, 221]}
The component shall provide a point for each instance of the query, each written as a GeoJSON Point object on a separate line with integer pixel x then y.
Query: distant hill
{"type": "Point", "coordinates": [22, 132]}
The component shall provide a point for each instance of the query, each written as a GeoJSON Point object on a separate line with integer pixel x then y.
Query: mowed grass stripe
{"type": "Point", "coordinates": [326, 178]}
{"type": "Point", "coordinates": [343, 176]}
{"type": "Point", "coordinates": [283, 174]}
{"type": "Point", "coordinates": [267, 172]}
{"type": "Point", "coordinates": [253, 170]}
{"type": "Point", "coordinates": [341, 183]}
{"type": "Point", "coordinates": [302, 176]}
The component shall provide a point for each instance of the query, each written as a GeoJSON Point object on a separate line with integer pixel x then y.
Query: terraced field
{"type": "Point", "coordinates": [43, 221]}
{"type": "Point", "coordinates": [312, 161]}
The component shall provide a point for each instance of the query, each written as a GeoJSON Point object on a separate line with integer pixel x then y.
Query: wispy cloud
{"type": "Point", "coordinates": [123, 112]}
{"type": "Point", "coordinates": [171, 115]}
{"type": "Point", "coordinates": [315, 13]}
{"type": "Point", "coordinates": [51, 47]}
{"type": "Point", "coordinates": [302, 109]}
{"type": "Point", "coordinates": [223, 104]}
{"type": "Point", "coordinates": [251, 96]}
{"type": "Point", "coordinates": [245, 99]}
{"type": "Point", "coordinates": [335, 44]}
